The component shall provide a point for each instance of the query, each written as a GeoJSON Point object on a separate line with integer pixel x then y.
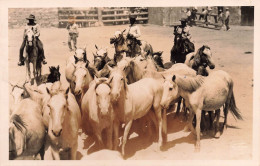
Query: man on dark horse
{"type": "Point", "coordinates": [182, 44]}
{"type": "Point", "coordinates": [36, 30]}
{"type": "Point", "coordinates": [133, 32]}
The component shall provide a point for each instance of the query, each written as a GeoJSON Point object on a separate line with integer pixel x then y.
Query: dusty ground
{"type": "Point", "coordinates": [228, 53]}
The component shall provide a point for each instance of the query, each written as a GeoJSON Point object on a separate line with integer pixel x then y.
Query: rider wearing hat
{"type": "Point", "coordinates": [133, 33]}
{"type": "Point", "coordinates": [36, 29]}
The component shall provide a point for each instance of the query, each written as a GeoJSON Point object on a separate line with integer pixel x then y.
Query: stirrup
{"type": "Point", "coordinates": [21, 63]}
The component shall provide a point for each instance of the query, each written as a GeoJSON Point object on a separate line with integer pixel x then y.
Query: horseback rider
{"type": "Point", "coordinates": [36, 30]}
{"type": "Point", "coordinates": [133, 33]}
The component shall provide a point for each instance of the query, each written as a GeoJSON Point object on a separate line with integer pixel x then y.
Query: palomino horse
{"type": "Point", "coordinates": [18, 93]}
{"type": "Point", "coordinates": [82, 77]}
{"type": "Point", "coordinates": [131, 102]}
{"type": "Point", "coordinates": [97, 111]}
{"type": "Point", "coordinates": [32, 56]}
{"type": "Point", "coordinates": [26, 130]}
{"type": "Point", "coordinates": [64, 122]}
{"type": "Point", "coordinates": [198, 97]}
{"type": "Point", "coordinates": [79, 57]}
{"type": "Point", "coordinates": [200, 60]}
{"type": "Point", "coordinates": [121, 45]}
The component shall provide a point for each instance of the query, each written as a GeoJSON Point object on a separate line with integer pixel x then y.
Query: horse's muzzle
{"type": "Point", "coordinates": [56, 134]}
{"type": "Point", "coordinates": [30, 43]}
{"type": "Point", "coordinates": [212, 66]}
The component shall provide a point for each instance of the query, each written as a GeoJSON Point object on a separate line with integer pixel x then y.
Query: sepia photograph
{"type": "Point", "coordinates": [130, 83]}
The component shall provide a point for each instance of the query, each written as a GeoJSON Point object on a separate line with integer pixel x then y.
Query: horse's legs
{"type": "Point", "coordinates": [55, 154]}
{"type": "Point", "coordinates": [211, 120]}
{"type": "Point", "coordinates": [164, 127]}
{"type": "Point", "coordinates": [217, 133]}
{"type": "Point", "coordinates": [127, 128]}
{"type": "Point", "coordinates": [116, 130]}
{"type": "Point", "coordinates": [178, 107]}
{"type": "Point", "coordinates": [225, 116]}
{"type": "Point", "coordinates": [109, 136]}
{"type": "Point", "coordinates": [73, 151]}
{"type": "Point", "coordinates": [34, 72]}
{"type": "Point", "coordinates": [203, 120]}
{"type": "Point", "coordinates": [198, 119]}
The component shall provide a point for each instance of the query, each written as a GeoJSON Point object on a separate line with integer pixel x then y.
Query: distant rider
{"type": "Point", "coordinates": [36, 30]}
{"type": "Point", "coordinates": [133, 33]}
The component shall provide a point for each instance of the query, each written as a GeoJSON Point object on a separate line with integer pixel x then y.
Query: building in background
{"type": "Point", "coordinates": [87, 17]}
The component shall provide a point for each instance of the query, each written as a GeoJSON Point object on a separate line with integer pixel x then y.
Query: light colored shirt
{"type": "Point", "coordinates": [72, 28]}
{"type": "Point", "coordinates": [35, 28]}
{"type": "Point", "coordinates": [133, 30]}
{"type": "Point", "coordinates": [188, 13]}
{"type": "Point", "coordinates": [227, 14]}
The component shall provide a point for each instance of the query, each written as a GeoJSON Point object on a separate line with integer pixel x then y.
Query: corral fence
{"type": "Point", "coordinates": [89, 17]}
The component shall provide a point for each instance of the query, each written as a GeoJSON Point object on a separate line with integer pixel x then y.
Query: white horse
{"type": "Point", "coordinates": [131, 102]}
{"type": "Point", "coordinates": [64, 123]}
{"type": "Point", "coordinates": [26, 130]}
{"type": "Point", "coordinates": [97, 111]}
{"type": "Point", "coordinates": [202, 93]}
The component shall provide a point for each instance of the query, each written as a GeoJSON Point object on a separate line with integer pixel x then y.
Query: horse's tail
{"type": "Point", "coordinates": [232, 105]}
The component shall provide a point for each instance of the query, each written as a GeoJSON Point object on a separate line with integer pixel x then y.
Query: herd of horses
{"type": "Point", "coordinates": [109, 95]}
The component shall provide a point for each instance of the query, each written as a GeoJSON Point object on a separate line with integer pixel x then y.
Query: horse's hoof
{"type": "Point", "coordinates": [217, 135]}
{"type": "Point", "coordinates": [197, 150]}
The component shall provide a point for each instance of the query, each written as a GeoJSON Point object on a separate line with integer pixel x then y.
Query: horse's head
{"type": "Point", "coordinates": [100, 58]}
{"type": "Point", "coordinates": [54, 74]}
{"type": "Point", "coordinates": [18, 93]}
{"type": "Point", "coordinates": [30, 37]}
{"type": "Point", "coordinates": [58, 106]}
{"type": "Point", "coordinates": [17, 136]}
{"type": "Point", "coordinates": [205, 57]}
{"type": "Point", "coordinates": [118, 83]}
{"type": "Point", "coordinates": [157, 56]}
{"type": "Point", "coordinates": [119, 41]}
{"type": "Point", "coordinates": [103, 90]}
{"type": "Point", "coordinates": [80, 55]}
{"type": "Point", "coordinates": [170, 92]}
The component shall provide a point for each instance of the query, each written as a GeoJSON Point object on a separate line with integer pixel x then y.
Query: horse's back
{"type": "Point", "coordinates": [70, 68]}
{"type": "Point", "coordinates": [181, 69]}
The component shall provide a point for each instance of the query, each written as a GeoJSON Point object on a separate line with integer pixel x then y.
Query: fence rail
{"type": "Point", "coordinates": [98, 16]}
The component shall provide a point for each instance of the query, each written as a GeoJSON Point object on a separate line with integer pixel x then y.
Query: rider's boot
{"type": "Point", "coordinates": [21, 63]}
{"type": "Point", "coordinates": [44, 62]}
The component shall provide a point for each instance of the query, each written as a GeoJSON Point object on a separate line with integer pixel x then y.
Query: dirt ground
{"type": "Point", "coordinates": [232, 52]}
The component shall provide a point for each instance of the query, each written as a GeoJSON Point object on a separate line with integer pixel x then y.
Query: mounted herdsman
{"type": "Point", "coordinates": [133, 33]}
{"type": "Point", "coordinates": [36, 30]}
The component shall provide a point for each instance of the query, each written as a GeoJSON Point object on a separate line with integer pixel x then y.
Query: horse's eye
{"type": "Point", "coordinates": [22, 95]}
{"type": "Point", "coordinates": [170, 89]}
{"type": "Point", "coordinates": [122, 79]}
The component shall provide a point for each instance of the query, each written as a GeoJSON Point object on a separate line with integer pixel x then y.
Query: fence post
{"type": "Point", "coordinates": [100, 22]}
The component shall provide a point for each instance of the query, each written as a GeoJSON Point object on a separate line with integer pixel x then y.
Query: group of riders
{"type": "Point", "coordinates": [182, 40]}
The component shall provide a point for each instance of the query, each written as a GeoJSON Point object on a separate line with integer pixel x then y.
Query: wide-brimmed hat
{"type": "Point", "coordinates": [31, 17]}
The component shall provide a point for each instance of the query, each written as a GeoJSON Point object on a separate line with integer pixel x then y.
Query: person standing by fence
{"type": "Point", "coordinates": [227, 14]}
{"type": "Point", "coordinates": [72, 27]}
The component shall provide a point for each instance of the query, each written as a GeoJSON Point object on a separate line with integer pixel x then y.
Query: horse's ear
{"type": "Point", "coordinates": [58, 67]}
{"type": "Point", "coordinates": [96, 46]}
{"type": "Point", "coordinates": [85, 48]}
{"type": "Point", "coordinates": [109, 68]}
{"type": "Point", "coordinates": [148, 52]}
{"type": "Point", "coordinates": [50, 69]}
{"type": "Point", "coordinates": [123, 31]}
{"type": "Point", "coordinates": [67, 92]}
{"type": "Point", "coordinates": [48, 91]}
{"type": "Point", "coordinates": [163, 77]}
{"type": "Point", "coordinates": [87, 63]}
{"type": "Point", "coordinates": [160, 53]}
{"type": "Point", "coordinates": [173, 78]}
{"type": "Point", "coordinates": [85, 57]}
{"type": "Point", "coordinates": [76, 59]}
{"type": "Point", "coordinates": [12, 85]}
{"type": "Point", "coordinates": [95, 78]}
{"type": "Point", "coordinates": [110, 80]}
{"type": "Point", "coordinates": [94, 54]}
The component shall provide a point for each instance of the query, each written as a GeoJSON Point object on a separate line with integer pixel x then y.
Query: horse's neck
{"type": "Point", "coordinates": [138, 72]}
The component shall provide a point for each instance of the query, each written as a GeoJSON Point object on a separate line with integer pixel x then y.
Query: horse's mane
{"type": "Point", "coordinates": [18, 122]}
{"type": "Point", "coordinates": [102, 81]}
{"type": "Point", "coordinates": [92, 71]}
{"type": "Point", "coordinates": [188, 83]}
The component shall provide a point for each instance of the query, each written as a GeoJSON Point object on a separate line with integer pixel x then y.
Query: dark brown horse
{"type": "Point", "coordinates": [32, 56]}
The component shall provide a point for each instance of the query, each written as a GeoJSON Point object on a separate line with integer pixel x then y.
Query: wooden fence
{"type": "Point", "coordinates": [100, 16]}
